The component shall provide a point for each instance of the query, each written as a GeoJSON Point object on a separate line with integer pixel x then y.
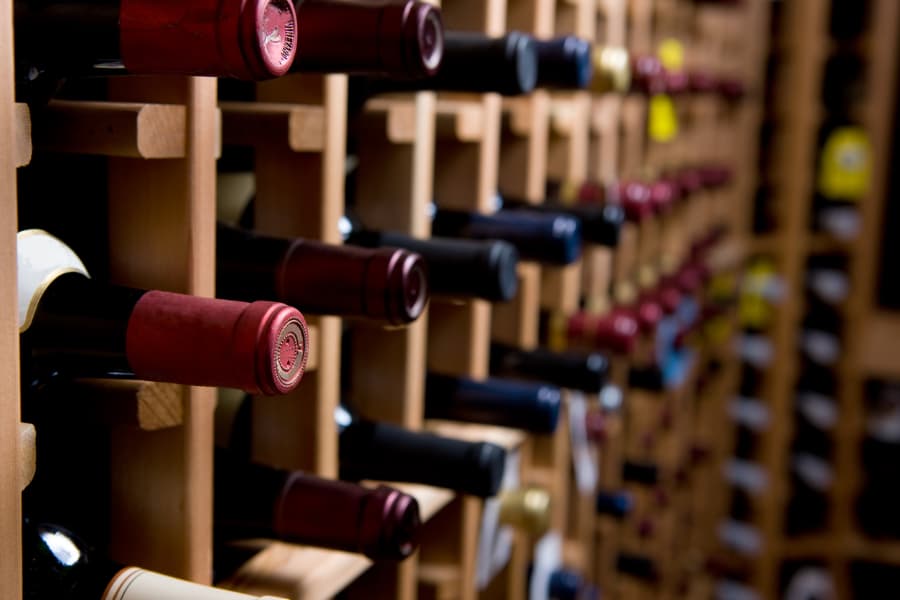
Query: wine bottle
{"type": "Point", "coordinates": [849, 18]}
{"type": "Point", "coordinates": [730, 589]}
{"type": "Point", "coordinates": [385, 284]}
{"type": "Point", "coordinates": [820, 340]}
{"type": "Point", "coordinates": [843, 82]}
{"type": "Point", "coordinates": [647, 74]}
{"type": "Point", "coordinates": [811, 480]}
{"type": "Point", "coordinates": [530, 406]}
{"type": "Point", "coordinates": [600, 224]}
{"type": "Point", "coordinates": [642, 473]}
{"type": "Point", "coordinates": [456, 267]}
{"type": "Point", "coordinates": [843, 173]}
{"type": "Point", "coordinates": [472, 62]}
{"type": "Point", "coordinates": [612, 70]}
{"type": "Point", "coordinates": [526, 508]}
{"type": "Point", "coordinates": [373, 450]}
{"type": "Point", "coordinates": [254, 500]}
{"type": "Point", "coordinates": [250, 40]}
{"type": "Point", "coordinates": [382, 451]}
{"type": "Point", "coordinates": [58, 564]}
{"type": "Point", "coordinates": [564, 63]}
{"type": "Point", "coordinates": [747, 475]}
{"type": "Point", "coordinates": [637, 566]}
{"type": "Point", "coordinates": [740, 537]}
{"type": "Point", "coordinates": [827, 279]}
{"type": "Point", "coordinates": [614, 503]}
{"type": "Point", "coordinates": [616, 331]}
{"type": "Point", "coordinates": [399, 40]}
{"type": "Point", "coordinates": [73, 326]}
{"type": "Point", "coordinates": [587, 372]}
{"type": "Point", "coordinates": [646, 377]}
{"type": "Point", "coordinates": [565, 584]}
{"type": "Point", "coordinates": [553, 238]}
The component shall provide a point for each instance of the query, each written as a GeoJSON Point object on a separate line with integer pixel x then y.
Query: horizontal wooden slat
{"type": "Point", "coordinates": [877, 352]}
{"type": "Point", "coordinates": [297, 572]}
{"type": "Point", "coordinates": [510, 439]}
{"type": "Point", "coordinates": [27, 454]}
{"type": "Point", "coordinates": [519, 111]}
{"type": "Point", "coordinates": [399, 116]}
{"type": "Point", "coordinates": [462, 120]}
{"type": "Point", "coordinates": [22, 154]}
{"type": "Point", "coordinates": [123, 129]}
{"type": "Point", "coordinates": [148, 405]}
{"type": "Point", "coordinates": [254, 123]}
{"type": "Point", "coordinates": [442, 581]}
{"type": "Point", "coordinates": [302, 572]}
{"type": "Point", "coordinates": [516, 322]}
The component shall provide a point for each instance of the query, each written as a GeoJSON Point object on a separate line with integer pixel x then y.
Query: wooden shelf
{"type": "Point", "coordinates": [306, 573]}
{"type": "Point", "coordinates": [22, 124]}
{"type": "Point", "coordinates": [27, 454]}
{"type": "Point", "coordinates": [510, 439]}
{"type": "Point", "coordinates": [253, 123]}
{"type": "Point", "coordinates": [460, 120]}
{"type": "Point", "coordinates": [123, 129]}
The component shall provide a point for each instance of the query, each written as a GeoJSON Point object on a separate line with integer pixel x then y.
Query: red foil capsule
{"type": "Point", "coordinates": [398, 39]}
{"type": "Point", "coordinates": [595, 425]}
{"type": "Point", "coordinates": [702, 82]}
{"type": "Point", "coordinates": [617, 331]}
{"type": "Point", "coordinates": [245, 39]}
{"type": "Point", "coordinates": [663, 194]}
{"type": "Point", "coordinates": [635, 200]}
{"type": "Point", "coordinates": [676, 82]}
{"type": "Point", "coordinates": [690, 180]}
{"type": "Point", "coordinates": [385, 522]}
{"type": "Point", "coordinates": [261, 347]}
{"type": "Point", "coordinates": [669, 298]}
{"type": "Point", "coordinates": [647, 74]}
{"type": "Point", "coordinates": [649, 313]}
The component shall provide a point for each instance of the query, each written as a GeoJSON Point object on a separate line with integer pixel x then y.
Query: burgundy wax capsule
{"type": "Point", "coordinates": [595, 424]}
{"type": "Point", "coordinates": [247, 39]}
{"type": "Point", "coordinates": [669, 297]}
{"type": "Point", "coordinates": [663, 194]}
{"type": "Point", "coordinates": [397, 39]}
{"type": "Point", "coordinates": [690, 180]}
{"type": "Point", "coordinates": [635, 198]}
{"type": "Point", "coordinates": [702, 82]}
{"type": "Point", "coordinates": [615, 331]}
{"type": "Point", "coordinates": [649, 313]}
{"type": "Point", "coordinates": [676, 82]}
{"type": "Point", "coordinates": [647, 74]}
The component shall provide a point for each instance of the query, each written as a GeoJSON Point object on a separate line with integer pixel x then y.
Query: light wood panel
{"type": "Point", "coordinates": [10, 498]}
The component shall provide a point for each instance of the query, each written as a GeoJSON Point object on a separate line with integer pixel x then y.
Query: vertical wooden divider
{"type": "Point", "coordinates": [394, 187]}
{"type": "Point", "coordinates": [10, 498]}
{"type": "Point", "coordinates": [162, 235]}
{"type": "Point", "coordinates": [862, 305]}
{"type": "Point", "coordinates": [393, 190]}
{"type": "Point", "coordinates": [302, 194]}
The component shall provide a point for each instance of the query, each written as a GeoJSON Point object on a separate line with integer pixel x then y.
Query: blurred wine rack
{"type": "Point", "coordinates": [161, 138]}
{"type": "Point", "coordinates": [831, 69]}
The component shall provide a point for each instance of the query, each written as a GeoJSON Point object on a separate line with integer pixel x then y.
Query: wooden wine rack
{"type": "Point", "coordinates": [802, 47]}
{"type": "Point", "coordinates": [162, 137]}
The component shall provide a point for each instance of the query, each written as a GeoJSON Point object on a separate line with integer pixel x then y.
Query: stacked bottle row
{"type": "Point", "coordinates": [798, 498]}
{"type": "Point", "coordinates": [148, 224]}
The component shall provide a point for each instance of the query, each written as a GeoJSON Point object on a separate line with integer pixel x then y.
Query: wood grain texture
{"type": "Point", "coordinates": [126, 129]}
{"type": "Point", "coordinates": [23, 134]}
{"type": "Point", "coordinates": [27, 454]}
{"type": "Point", "coordinates": [162, 216]}
{"type": "Point", "coordinates": [252, 123]}
{"type": "Point", "coordinates": [395, 177]}
{"type": "Point", "coordinates": [10, 497]}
